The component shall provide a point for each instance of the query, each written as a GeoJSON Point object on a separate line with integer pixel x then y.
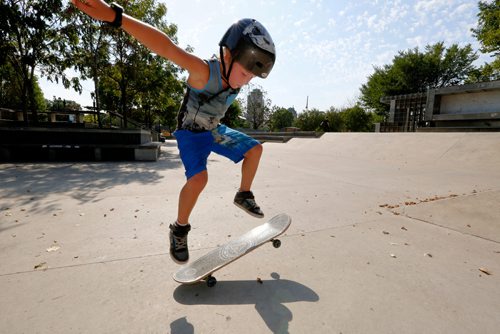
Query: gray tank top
{"type": "Point", "coordinates": [202, 109]}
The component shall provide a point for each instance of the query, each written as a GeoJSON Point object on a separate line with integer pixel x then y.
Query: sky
{"type": "Point", "coordinates": [325, 49]}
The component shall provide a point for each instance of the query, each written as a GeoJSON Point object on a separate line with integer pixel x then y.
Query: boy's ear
{"type": "Point", "coordinates": [227, 55]}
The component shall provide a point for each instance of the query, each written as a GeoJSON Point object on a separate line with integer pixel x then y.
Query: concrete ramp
{"type": "Point", "coordinates": [474, 149]}
{"type": "Point", "coordinates": [390, 233]}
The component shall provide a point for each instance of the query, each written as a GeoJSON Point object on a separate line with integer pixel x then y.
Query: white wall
{"type": "Point", "coordinates": [471, 103]}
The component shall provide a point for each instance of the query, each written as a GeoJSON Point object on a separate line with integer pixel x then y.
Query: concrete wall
{"type": "Point", "coordinates": [470, 103]}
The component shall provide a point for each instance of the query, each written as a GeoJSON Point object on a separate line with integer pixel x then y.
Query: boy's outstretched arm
{"type": "Point", "coordinates": [154, 39]}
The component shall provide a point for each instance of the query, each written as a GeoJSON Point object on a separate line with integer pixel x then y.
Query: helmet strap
{"type": "Point", "coordinates": [226, 72]}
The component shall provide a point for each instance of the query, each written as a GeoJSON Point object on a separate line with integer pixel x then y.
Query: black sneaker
{"type": "Point", "coordinates": [178, 243]}
{"type": "Point", "coordinates": [246, 201]}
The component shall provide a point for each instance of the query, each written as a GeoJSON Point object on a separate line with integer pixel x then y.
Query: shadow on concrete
{"type": "Point", "coordinates": [268, 296]}
{"type": "Point", "coordinates": [27, 184]}
{"type": "Point", "coordinates": [181, 326]}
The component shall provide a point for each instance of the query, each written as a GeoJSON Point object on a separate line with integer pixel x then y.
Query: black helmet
{"type": "Point", "coordinates": [250, 45]}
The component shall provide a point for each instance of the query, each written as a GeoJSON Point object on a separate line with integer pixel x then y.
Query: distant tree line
{"type": "Point", "coordinates": [48, 38]}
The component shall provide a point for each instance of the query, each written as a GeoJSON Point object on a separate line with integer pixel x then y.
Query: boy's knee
{"type": "Point", "coordinates": [199, 180]}
{"type": "Point", "coordinates": [255, 151]}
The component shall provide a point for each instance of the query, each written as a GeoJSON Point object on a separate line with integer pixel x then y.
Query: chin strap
{"type": "Point", "coordinates": [226, 74]}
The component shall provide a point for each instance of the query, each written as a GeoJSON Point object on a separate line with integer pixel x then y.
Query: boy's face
{"type": "Point", "coordinates": [239, 76]}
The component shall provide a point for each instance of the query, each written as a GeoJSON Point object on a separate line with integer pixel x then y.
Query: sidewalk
{"type": "Point", "coordinates": [391, 233]}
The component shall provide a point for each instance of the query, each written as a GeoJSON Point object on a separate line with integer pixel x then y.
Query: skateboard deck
{"type": "Point", "coordinates": [203, 268]}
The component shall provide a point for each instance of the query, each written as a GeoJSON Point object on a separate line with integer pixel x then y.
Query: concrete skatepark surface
{"type": "Point", "coordinates": [391, 233]}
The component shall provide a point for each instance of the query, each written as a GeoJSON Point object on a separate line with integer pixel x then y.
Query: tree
{"type": "Point", "coordinates": [280, 118]}
{"type": "Point", "coordinates": [33, 37]}
{"type": "Point", "coordinates": [137, 81]}
{"type": "Point", "coordinates": [234, 115]}
{"type": "Point", "coordinates": [335, 120]}
{"type": "Point", "coordinates": [413, 71]}
{"type": "Point", "coordinates": [91, 54]}
{"type": "Point", "coordinates": [58, 104]}
{"type": "Point", "coordinates": [357, 120]}
{"type": "Point", "coordinates": [310, 120]}
{"type": "Point", "coordinates": [488, 34]}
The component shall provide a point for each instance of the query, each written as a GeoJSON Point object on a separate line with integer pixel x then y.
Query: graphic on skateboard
{"type": "Point", "coordinates": [203, 268]}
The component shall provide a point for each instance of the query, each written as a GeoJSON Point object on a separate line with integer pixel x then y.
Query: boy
{"type": "Point", "coordinates": [246, 51]}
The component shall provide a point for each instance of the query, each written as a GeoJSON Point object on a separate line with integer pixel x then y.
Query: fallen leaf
{"type": "Point", "coordinates": [486, 271]}
{"type": "Point", "coordinates": [42, 266]}
{"type": "Point", "coordinates": [53, 248]}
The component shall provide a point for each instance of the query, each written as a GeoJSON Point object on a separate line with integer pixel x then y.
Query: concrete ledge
{"type": "Point", "coordinates": [87, 152]}
{"type": "Point", "coordinates": [53, 144]}
{"type": "Point", "coordinates": [148, 152]}
{"type": "Point", "coordinates": [460, 117]}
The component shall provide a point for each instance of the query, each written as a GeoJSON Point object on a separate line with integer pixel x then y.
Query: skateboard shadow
{"type": "Point", "coordinates": [267, 296]}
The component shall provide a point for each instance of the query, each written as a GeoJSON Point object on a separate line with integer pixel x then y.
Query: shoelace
{"type": "Point", "coordinates": [251, 203]}
{"type": "Point", "coordinates": [180, 242]}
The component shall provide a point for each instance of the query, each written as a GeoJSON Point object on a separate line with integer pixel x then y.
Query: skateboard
{"type": "Point", "coordinates": [203, 268]}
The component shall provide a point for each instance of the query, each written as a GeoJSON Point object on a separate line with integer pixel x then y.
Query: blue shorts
{"type": "Point", "coordinates": [195, 147]}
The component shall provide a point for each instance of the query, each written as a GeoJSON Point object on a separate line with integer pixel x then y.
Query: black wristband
{"type": "Point", "coordinates": [117, 22]}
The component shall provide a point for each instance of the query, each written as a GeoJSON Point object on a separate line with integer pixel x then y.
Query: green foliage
{"type": "Point", "coordinates": [414, 71]}
{"type": "Point", "coordinates": [233, 117]}
{"type": "Point", "coordinates": [352, 119]}
{"type": "Point", "coordinates": [488, 28]}
{"type": "Point", "coordinates": [334, 121]}
{"type": "Point", "coordinates": [137, 82]}
{"type": "Point", "coordinates": [357, 120]}
{"type": "Point", "coordinates": [310, 120]}
{"type": "Point", "coordinates": [58, 104]}
{"type": "Point", "coordinates": [11, 86]}
{"type": "Point", "coordinates": [280, 118]}
{"type": "Point", "coordinates": [33, 37]}
{"type": "Point", "coordinates": [45, 36]}
{"type": "Point", "coordinates": [488, 34]}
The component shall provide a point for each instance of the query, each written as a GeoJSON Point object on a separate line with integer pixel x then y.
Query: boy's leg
{"type": "Point", "coordinates": [238, 146]}
{"type": "Point", "coordinates": [189, 195]}
{"type": "Point", "coordinates": [180, 229]}
{"type": "Point", "coordinates": [244, 198]}
{"type": "Point", "coordinates": [249, 167]}
{"type": "Point", "coordinates": [194, 150]}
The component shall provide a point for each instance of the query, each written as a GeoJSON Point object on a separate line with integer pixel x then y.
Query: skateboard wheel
{"type": "Point", "coordinates": [276, 243]}
{"type": "Point", "coordinates": [211, 281]}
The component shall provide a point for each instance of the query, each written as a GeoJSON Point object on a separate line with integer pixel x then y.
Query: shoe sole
{"type": "Point", "coordinates": [177, 261]}
{"type": "Point", "coordinates": [249, 212]}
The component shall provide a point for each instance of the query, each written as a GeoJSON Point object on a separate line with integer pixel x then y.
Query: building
{"type": "Point", "coordinates": [471, 107]}
{"type": "Point", "coordinates": [255, 108]}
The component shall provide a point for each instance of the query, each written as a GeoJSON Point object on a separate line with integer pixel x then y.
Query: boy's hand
{"type": "Point", "coordinates": [96, 9]}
